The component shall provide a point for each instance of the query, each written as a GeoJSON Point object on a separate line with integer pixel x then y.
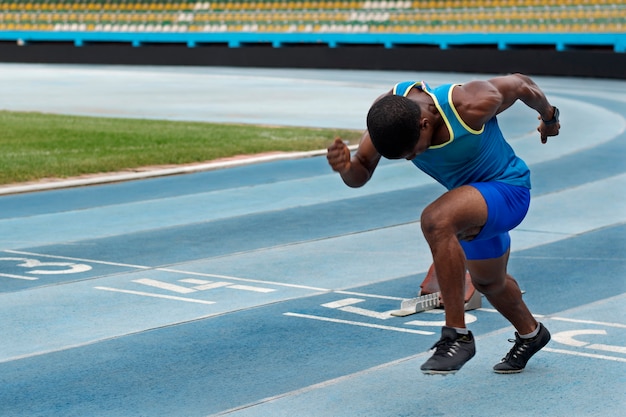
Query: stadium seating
{"type": "Point", "coordinates": [386, 16]}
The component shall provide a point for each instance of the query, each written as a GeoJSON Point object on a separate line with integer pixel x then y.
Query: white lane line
{"type": "Point", "coordinates": [493, 310]}
{"type": "Point", "coordinates": [343, 303]}
{"type": "Point", "coordinates": [93, 261]}
{"type": "Point", "coordinates": [251, 288]}
{"type": "Point", "coordinates": [367, 313]}
{"type": "Point", "coordinates": [195, 281]}
{"type": "Point", "coordinates": [346, 305]}
{"type": "Point", "coordinates": [256, 281]}
{"type": "Point", "coordinates": [358, 323]}
{"type": "Point", "coordinates": [177, 271]}
{"type": "Point", "coordinates": [588, 355]}
{"type": "Point", "coordinates": [360, 294]}
{"type": "Point", "coordinates": [568, 337]}
{"type": "Point", "coordinates": [567, 258]}
{"type": "Point", "coordinates": [600, 323]}
{"type": "Point", "coordinates": [18, 277]}
{"type": "Point", "coordinates": [203, 284]}
{"type": "Point", "coordinates": [212, 285]}
{"type": "Point", "coordinates": [164, 285]}
{"type": "Point", "coordinates": [148, 294]}
{"type": "Point", "coordinates": [608, 348]}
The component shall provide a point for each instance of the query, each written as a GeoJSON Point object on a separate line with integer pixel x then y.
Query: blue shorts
{"type": "Point", "coordinates": [507, 206]}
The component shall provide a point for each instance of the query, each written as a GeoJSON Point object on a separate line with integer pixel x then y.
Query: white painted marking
{"type": "Point", "coordinates": [71, 268]}
{"type": "Point", "coordinates": [279, 284]}
{"type": "Point", "coordinates": [211, 285]}
{"type": "Point", "coordinates": [567, 337]}
{"type": "Point", "coordinates": [584, 354]}
{"type": "Point", "coordinates": [164, 285]}
{"type": "Point", "coordinates": [41, 255]}
{"type": "Point", "coordinates": [251, 288]}
{"type": "Point", "coordinates": [194, 281]}
{"type": "Point", "coordinates": [600, 323]}
{"type": "Point", "coordinates": [358, 323]}
{"type": "Point", "coordinates": [367, 313]}
{"type": "Point", "coordinates": [493, 310]}
{"type": "Point", "coordinates": [469, 318]}
{"type": "Point", "coordinates": [343, 303]}
{"type": "Point", "coordinates": [147, 294]}
{"type": "Point", "coordinates": [346, 305]}
{"type": "Point", "coordinates": [18, 277]}
{"type": "Point", "coordinates": [360, 294]}
{"type": "Point", "coordinates": [608, 348]}
{"type": "Point", "coordinates": [570, 258]}
{"type": "Point", "coordinates": [240, 287]}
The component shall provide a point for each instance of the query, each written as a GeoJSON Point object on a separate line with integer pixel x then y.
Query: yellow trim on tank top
{"type": "Point", "coordinates": [458, 117]}
{"type": "Point", "coordinates": [407, 90]}
{"type": "Point", "coordinates": [445, 119]}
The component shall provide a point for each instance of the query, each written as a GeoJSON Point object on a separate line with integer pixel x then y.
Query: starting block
{"type": "Point", "coordinates": [429, 296]}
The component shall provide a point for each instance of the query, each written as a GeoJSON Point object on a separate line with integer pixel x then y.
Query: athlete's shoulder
{"type": "Point", "coordinates": [472, 90]}
{"type": "Point", "coordinates": [476, 102]}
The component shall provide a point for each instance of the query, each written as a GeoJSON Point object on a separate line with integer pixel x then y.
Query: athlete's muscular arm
{"type": "Point", "coordinates": [479, 101]}
{"type": "Point", "coordinates": [357, 170]}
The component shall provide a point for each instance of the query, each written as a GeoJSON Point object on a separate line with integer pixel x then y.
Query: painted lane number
{"type": "Point", "coordinates": [36, 267]}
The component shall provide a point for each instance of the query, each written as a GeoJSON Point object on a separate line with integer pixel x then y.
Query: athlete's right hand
{"type": "Point", "coordinates": [338, 155]}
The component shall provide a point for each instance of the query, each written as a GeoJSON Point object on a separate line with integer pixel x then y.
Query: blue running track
{"type": "Point", "coordinates": [265, 289]}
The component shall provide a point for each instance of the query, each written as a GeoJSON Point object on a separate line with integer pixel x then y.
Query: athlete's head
{"type": "Point", "coordinates": [393, 125]}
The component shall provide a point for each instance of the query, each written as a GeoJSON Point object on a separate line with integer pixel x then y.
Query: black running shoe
{"type": "Point", "coordinates": [515, 361]}
{"type": "Point", "coordinates": [451, 352]}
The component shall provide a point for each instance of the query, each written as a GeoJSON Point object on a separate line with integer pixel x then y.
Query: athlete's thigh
{"type": "Point", "coordinates": [463, 208]}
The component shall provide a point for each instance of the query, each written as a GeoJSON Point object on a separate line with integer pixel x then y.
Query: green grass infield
{"type": "Point", "coordinates": [37, 146]}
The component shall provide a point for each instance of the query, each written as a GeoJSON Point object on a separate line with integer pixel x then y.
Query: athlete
{"type": "Point", "coordinates": [451, 133]}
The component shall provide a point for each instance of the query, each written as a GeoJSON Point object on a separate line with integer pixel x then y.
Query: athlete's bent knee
{"type": "Point", "coordinates": [489, 287]}
{"type": "Point", "coordinates": [434, 225]}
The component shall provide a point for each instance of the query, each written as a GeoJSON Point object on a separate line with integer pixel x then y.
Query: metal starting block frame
{"type": "Point", "coordinates": [429, 296]}
{"type": "Point", "coordinates": [430, 302]}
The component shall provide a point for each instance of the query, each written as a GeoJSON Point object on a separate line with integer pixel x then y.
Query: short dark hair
{"type": "Point", "coordinates": [393, 126]}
